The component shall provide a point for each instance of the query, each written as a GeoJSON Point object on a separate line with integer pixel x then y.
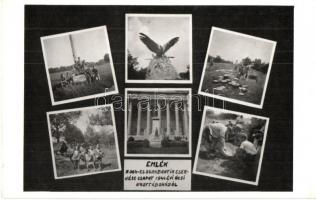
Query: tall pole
{"type": "Point", "coordinates": [73, 50]}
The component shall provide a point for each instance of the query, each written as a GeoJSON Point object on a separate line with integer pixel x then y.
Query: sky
{"type": "Point", "coordinates": [234, 47]}
{"type": "Point", "coordinates": [161, 30]}
{"type": "Point", "coordinates": [83, 120]}
{"type": "Point", "coordinates": [89, 45]}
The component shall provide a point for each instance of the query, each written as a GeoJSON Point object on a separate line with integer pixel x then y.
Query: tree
{"type": "Point", "coordinates": [185, 75]}
{"type": "Point", "coordinates": [73, 134]}
{"type": "Point", "coordinates": [59, 121]}
{"type": "Point", "coordinates": [246, 61]}
{"type": "Point", "coordinates": [106, 58]}
{"type": "Point", "coordinates": [101, 118]}
{"type": "Point", "coordinates": [217, 59]}
{"type": "Point", "coordinates": [257, 61]}
{"type": "Point", "coordinates": [134, 71]}
{"type": "Point", "coordinates": [91, 135]}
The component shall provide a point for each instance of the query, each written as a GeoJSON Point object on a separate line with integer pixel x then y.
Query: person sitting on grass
{"type": "Point", "coordinates": [247, 151]}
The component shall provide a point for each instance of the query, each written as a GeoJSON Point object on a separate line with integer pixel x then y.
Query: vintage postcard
{"type": "Point", "coordinates": [158, 122]}
{"type": "Point", "coordinates": [158, 48]}
{"type": "Point", "coordinates": [231, 145]}
{"type": "Point", "coordinates": [83, 141]}
{"type": "Point", "coordinates": [79, 65]}
{"type": "Point", "coordinates": [237, 67]}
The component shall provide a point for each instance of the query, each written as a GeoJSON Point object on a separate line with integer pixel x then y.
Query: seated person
{"type": "Point", "coordinates": [247, 151]}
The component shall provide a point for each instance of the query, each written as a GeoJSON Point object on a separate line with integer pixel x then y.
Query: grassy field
{"type": "Point", "coordinates": [64, 166]}
{"type": "Point", "coordinates": [161, 150]}
{"type": "Point", "coordinates": [255, 89]}
{"type": "Point", "coordinates": [84, 89]}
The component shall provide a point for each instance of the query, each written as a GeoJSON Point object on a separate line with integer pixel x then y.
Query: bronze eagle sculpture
{"type": "Point", "coordinates": [156, 48]}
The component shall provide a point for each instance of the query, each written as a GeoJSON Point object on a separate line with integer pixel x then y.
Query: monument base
{"type": "Point", "coordinates": [161, 69]}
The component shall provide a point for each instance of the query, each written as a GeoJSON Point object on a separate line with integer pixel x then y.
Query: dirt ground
{"type": "Point", "coordinates": [84, 89]}
{"type": "Point", "coordinates": [228, 167]}
{"type": "Point", "coordinates": [255, 89]}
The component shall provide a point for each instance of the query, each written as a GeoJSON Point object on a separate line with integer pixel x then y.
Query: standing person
{"type": "Point", "coordinates": [62, 79]}
{"type": "Point", "coordinates": [63, 148]}
{"type": "Point", "coordinates": [76, 157]}
{"type": "Point", "coordinates": [82, 67]}
{"type": "Point", "coordinates": [230, 132]}
{"type": "Point", "coordinates": [77, 65]}
{"type": "Point", "coordinates": [95, 73]}
{"type": "Point", "coordinates": [240, 120]}
{"type": "Point", "coordinates": [217, 132]}
{"type": "Point", "coordinates": [98, 155]}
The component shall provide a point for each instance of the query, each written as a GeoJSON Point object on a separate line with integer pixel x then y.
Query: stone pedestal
{"type": "Point", "coordinates": [155, 137]}
{"type": "Point", "coordinates": [161, 69]}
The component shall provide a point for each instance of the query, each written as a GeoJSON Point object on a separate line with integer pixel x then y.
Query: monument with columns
{"type": "Point", "coordinates": [156, 115]}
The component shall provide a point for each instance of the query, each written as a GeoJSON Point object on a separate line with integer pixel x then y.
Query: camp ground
{"type": "Point", "coordinates": [79, 65]}
{"type": "Point", "coordinates": [237, 67]}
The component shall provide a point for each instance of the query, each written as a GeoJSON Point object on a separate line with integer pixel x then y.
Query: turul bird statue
{"type": "Point", "coordinates": [156, 48]}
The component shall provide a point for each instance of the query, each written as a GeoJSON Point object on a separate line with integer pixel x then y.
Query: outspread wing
{"type": "Point", "coordinates": [151, 45]}
{"type": "Point", "coordinates": [169, 44]}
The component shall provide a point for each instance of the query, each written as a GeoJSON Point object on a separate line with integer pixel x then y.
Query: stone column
{"type": "Point", "coordinates": [177, 119]}
{"type": "Point", "coordinates": [129, 120]}
{"type": "Point", "coordinates": [139, 118]}
{"type": "Point", "coordinates": [159, 116]}
{"type": "Point", "coordinates": [148, 119]}
{"type": "Point", "coordinates": [185, 119]}
{"type": "Point", "coordinates": [168, 118]}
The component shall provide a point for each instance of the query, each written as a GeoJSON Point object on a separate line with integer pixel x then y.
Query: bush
{"type": "Point", "coordinates": [165, 142]}
{"type": "Point", "coordinates": [177, 138]}
{"type": "Point", "coordinates": [138, 143]}
{"type": "Point", "coordinates": [131, 139]}
{"type": "Point", "coordinates": [174, 143]}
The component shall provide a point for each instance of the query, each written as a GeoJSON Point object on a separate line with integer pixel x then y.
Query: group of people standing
{"type": "Point", "coordinates": [89, 155]}
{"type": "Point", "coordinates": [242, 70]}
{"type": "Point", "coordinates": [80, 68]}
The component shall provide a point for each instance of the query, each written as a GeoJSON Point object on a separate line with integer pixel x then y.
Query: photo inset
{"type": "Point", "coordinates": [79, 65]}
{"type": "Point", "coordinates": [231, 145]}
{"type": "Point", "coordinates": [158, 48]}
{"type": "Point", "coordinates": [158, 122]}
{"type": "Point", "coordinates": [237, 67]}
{"type": "Point", "coordinates": [83, 141]}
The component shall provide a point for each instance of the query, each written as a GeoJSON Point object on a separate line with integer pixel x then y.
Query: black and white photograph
{"type": "Point", "coordinates": [237, 67]}
{"type": "Point", "coordinates": [79, 65]}
{"type": "Point", "coordinates": [158, 122]}
{"type": "Point", "coordinates": [158, 48]}
{"type": "Point", "coordinates": [83, 141]}
{"type": "Point", "coordinates": [231, 145]}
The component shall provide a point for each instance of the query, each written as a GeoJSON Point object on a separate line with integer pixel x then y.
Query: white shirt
{"type": "Point", "coordinates": [248, 147]}
{"type": "Point", "coordinates": [217, 130]}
